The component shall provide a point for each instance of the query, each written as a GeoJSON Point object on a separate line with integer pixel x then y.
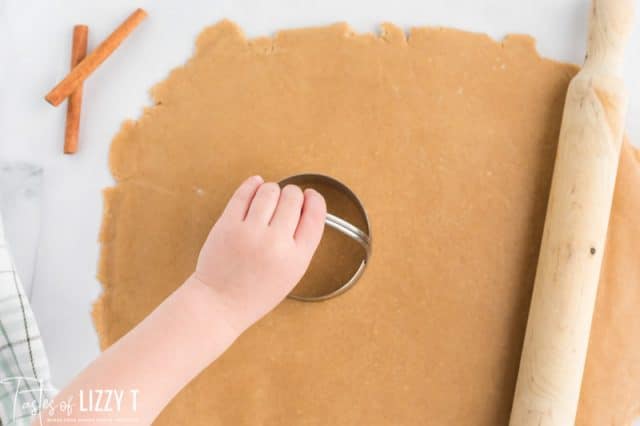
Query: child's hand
{"type": "Point", "coordinates": [260, 248]}
{"type": "Point", "coordinates": [254, 256]}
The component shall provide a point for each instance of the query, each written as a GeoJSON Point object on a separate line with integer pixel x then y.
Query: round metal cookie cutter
{"type": "Point", "coordinates": [362, 236]}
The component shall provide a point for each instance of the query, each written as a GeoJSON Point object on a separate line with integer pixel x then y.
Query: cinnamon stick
{"type": "Point", "coordinates": [92, 61]}
{"type": "Point", "coordinates": [74, 105]}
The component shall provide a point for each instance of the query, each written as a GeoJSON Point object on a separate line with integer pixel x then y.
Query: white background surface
{"type": "Point", "coordinates": [35, 40]}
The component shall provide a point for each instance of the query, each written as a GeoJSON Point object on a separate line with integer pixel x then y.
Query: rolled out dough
{"type": "Point", "coordinates": [449, 139]}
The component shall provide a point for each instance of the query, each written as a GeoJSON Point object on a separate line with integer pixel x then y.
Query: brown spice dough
{"type": "Point", "coordinates": [448, 138]}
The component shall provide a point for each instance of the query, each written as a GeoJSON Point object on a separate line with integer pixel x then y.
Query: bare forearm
{"type": "Point", "coordinates": [254, 255]}
{"type": "Point", "coordinates": [153, 362]}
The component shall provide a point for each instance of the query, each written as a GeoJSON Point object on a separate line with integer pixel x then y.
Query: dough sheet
{"type": "Point", "coordinates": [448, 138]}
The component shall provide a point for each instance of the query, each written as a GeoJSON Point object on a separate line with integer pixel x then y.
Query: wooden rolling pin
{"type": "Point", "coordinates": [566, 283]}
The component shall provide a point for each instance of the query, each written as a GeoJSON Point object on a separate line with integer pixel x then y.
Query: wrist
{"type": "Point", "coordinates": [210, 313]}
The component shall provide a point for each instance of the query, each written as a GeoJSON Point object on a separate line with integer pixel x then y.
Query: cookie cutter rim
{"type": "Point", "coordinates": [340, 225]}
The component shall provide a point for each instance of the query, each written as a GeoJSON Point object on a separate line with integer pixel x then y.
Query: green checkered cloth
{"type": "Point", "coordinates": [25, 385]}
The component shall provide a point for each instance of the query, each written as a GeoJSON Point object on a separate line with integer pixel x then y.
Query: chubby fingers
{"type": "Point", "coordinates": [287, 214]}
{"type": "Point", "coordinates": [238, 205]}
{"type": "Point", "coordinates": [264, 204]}
{"type": "Point", "coordinates": [290, 211]}
{"type": "Point", "coordinates": [311, 225]}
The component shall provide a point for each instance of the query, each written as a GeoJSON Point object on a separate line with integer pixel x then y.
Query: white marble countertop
{"type": "Point", "coordinates": [35, 40]}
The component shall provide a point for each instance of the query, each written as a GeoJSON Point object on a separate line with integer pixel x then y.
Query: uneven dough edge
{"type": "Point", "coordinates": [107, 231]}
{"type": "Point", "coordinates": [229, 36]}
